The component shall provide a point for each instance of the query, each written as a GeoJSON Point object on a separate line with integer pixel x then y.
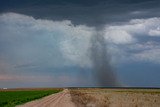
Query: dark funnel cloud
{"type": "Point", "coordinates": [102, 70]}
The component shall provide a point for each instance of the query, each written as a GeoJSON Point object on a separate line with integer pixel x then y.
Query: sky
{"type": "Point", "coordinates": [49, 43]}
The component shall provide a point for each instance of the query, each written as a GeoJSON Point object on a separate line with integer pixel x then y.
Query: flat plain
{"type": "Point", "coordinates": [101, 97]}
{"type": "Point", "coordinates": [80, 97]}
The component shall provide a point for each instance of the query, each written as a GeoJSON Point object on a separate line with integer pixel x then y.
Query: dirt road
{"type": "Point", "coordinates": [61, 99]}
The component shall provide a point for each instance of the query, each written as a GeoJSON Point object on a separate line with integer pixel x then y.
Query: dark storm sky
{"type": "Point", "coordinates": [46, 42]}
{"type": "Point", "coordinates": [90, 12]}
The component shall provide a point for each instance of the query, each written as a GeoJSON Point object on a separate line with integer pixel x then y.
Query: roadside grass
{"type": "Point", "coordinates": [16, 97]}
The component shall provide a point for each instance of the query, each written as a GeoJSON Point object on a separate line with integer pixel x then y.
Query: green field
{"type": "Point", "coordinates": [16, 97]}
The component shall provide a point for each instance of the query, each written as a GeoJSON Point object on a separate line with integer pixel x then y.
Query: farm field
{"type": "Point", "coordinates": [12, 97]}
{"type": "Point", "coordinates": [97, 97]}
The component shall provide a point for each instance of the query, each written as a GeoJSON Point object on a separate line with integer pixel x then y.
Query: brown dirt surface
{"type": "Point", "coordinates": [61, 99]}
{"type": "Point", "coordinates": [94, 97]}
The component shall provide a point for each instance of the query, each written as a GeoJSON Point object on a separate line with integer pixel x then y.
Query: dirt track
{"type": "Point", "coordinates": [61, 99]}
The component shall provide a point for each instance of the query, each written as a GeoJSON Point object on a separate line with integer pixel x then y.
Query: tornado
{"type": "Point", "coordinates": [103, 73]}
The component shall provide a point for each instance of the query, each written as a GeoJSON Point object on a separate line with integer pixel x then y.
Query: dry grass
{"type": "Point", "coordinates": [116, 97]}
{"type": "Point", "coordinates": [84, 99]}
{"type": "Point", "coordinates": [81, 99]}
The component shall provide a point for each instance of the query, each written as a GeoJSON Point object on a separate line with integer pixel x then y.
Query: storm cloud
{"type": "Point", "coordinates": [74, 43]}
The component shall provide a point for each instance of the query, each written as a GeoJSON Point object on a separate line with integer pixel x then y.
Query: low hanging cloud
{"type": "Point", "coordinates": [151, 55]}
{"type": "Point", "coordinates": [29, 41]}
{"type": "Point", "coordinates": [128, 32]}
{"type": "Point", "coordinates": [155, 32]}
{"type": "Point", "coordinates": [135, 40]}
{"type": "Point", "coordinates": [36, 41]}
{"type": "Point", "coordinates": [118, 36]}
{"type": "Point", "coordinates": [30, 45]}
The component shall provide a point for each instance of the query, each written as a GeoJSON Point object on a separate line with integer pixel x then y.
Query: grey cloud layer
{"type": "Point", "coordinates": [137, 39]}
{"type": "Point", "coordinates": [33, 47]}
{"type": "Point", "coordinates": [39, 41]}
{"type": "Point", "coordinates": [93, 13]}
{"type": "Point", "coordinates": [28, 44]}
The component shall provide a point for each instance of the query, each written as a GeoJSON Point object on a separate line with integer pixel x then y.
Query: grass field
{"type": "Point", "coordinates": [10, 98]}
